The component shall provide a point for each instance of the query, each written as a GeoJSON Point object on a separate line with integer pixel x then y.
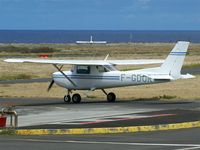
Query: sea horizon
{"type": "Point", "coordinates": [111, 36]}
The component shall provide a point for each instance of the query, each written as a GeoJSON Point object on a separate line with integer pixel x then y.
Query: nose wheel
{"type": "Point", "coordinates": [67, 98]}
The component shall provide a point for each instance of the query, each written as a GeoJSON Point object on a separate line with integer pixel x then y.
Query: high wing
{"type": "Point", "coordinates": [135, 62]}
{"type": "Point", "coordinates": [59, 62]}
{"type": "Point", "coordinates": [88, 62]}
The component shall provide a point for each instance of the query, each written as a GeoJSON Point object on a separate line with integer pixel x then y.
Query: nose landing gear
{"type": "Point", "coordinates": [67, 98]}
{"type": "Point", "coordinates": [76, 98]}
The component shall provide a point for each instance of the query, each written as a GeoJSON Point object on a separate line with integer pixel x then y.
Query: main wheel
{"type": "Point", "coordinates": [111, 97]}
{"type": "Point", "coordinates": [67, 98]}
{"type": "Point", "coordinates": [76, 98]}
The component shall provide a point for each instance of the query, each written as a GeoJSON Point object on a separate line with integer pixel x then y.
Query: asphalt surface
{"type": "Point", "coordinates": [187, 139]}
{"type": "Point", "coordinates": [53, 113]}
{"type": "Point", "coordinates": [134, 119]}
{"type": "Point", "coordinates": [195, 70]}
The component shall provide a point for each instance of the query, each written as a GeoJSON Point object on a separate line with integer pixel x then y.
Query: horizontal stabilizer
{"type": "Point", "coordinates": [187, 76]}
{"type": "Point", "coordinates": [160, 77]}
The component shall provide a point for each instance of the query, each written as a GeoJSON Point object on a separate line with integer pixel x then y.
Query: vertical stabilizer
{"type": "Point", "coordinates": [174, 62]}
{"type": "Point", "coordinates": [91, 39]}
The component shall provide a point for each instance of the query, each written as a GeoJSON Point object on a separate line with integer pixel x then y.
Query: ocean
{"type": "Point", "coordinates": [111, 36]}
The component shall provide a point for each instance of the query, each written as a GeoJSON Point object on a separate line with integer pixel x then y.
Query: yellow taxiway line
{"type": "Point", "coordinates": [130, 129]}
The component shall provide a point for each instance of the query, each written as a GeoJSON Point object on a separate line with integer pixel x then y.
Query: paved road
{"type": "Point", "coordinates": [187, 139]}
{"type": "Point", "coordinates": [194, 71]}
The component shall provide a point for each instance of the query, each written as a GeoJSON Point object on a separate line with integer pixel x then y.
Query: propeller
{"type": "Point", "coordinates": [50, 85]}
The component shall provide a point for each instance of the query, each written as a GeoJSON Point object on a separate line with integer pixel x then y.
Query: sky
{"type": "Point", "coordinates": [100, 14]}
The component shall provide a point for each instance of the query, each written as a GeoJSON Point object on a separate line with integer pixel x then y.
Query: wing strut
{"type": "Point", "coordinates": [59, 69]}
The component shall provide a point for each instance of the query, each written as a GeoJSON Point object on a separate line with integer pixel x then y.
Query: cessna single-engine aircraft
{"type": "Point", "coordinates": [102, 74]}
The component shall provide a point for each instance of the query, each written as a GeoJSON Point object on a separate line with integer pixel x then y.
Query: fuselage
{"type": "Point", "coordinates": [101, 80]}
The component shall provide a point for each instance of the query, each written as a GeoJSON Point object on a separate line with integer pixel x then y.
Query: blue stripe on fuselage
{"type": "Point", "coordinates": [89, 77]}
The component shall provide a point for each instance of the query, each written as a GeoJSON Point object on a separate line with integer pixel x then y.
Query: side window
{"type": "Point", "coordinates": [83, 70]}
{"type": "Point", "coordinates": [101, 69]}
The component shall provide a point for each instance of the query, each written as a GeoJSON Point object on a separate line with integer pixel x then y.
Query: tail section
{"type": "Point", "coordinates": [171, 68]}
{"type": "Point", "coordinates": [174, 62]}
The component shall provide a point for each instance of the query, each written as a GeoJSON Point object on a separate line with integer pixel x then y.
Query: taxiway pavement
{"type": "Point", "coordinates": [187, 139]}
{"type": "Point", "coordinates": [53, 113]}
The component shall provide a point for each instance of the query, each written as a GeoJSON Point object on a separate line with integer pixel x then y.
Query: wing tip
{"type": "Point", "coordinates": [12, 60]}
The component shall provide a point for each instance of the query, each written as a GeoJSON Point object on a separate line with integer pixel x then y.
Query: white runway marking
{"type": "Point", "coordinates": [187, 146]}
{"type": "Point", "coordinates": [191, 148]}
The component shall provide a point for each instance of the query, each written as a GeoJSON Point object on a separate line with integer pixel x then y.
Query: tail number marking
{"type": "Point", "coordinates": [141, 79]}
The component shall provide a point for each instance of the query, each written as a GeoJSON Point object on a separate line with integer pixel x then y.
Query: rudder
{"type": "Point", "coordinates": [174, 62]}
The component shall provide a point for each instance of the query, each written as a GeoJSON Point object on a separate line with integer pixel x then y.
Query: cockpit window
{"type": "Point", "coordinates": [83, 69]}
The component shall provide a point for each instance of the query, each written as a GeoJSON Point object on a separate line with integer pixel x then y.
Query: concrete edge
{"type": "Point", "coordinates": [111, 130]}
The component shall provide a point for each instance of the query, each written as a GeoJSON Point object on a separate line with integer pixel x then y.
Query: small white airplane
{"type": "Point", "coordinates": [101, 74]}
{"type": "Point", "coordinates": [91, 41]}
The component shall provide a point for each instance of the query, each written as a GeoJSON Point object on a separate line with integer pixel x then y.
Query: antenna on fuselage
{"type": "Point", "coordinates": [106, 57]}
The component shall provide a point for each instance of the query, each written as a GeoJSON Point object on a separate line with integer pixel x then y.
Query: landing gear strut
{"type": "Point", "coordinates": [76, 98]}
{"type": "Point", "coordinates": [111, 97]}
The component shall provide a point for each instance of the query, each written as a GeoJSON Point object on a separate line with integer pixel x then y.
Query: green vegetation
{"type": "Point", "coordinates": [15, 77]}
{"type": "Point", "coordinates": [116, 50]}
{"type": "Point", "coordinates": [21, 49]}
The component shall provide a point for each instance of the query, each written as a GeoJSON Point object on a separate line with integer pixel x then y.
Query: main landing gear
{"type": "Point", "coordinates": [111, 97]}
{"type": "Point", "coordinates": [76, 98]}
